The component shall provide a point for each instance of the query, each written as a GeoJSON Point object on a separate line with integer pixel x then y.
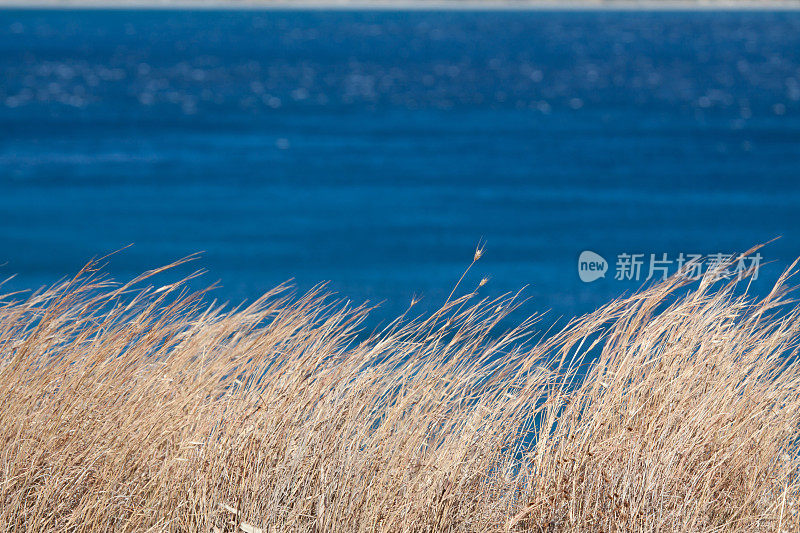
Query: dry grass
{"type": "Point", "coordinates": [126, 408]}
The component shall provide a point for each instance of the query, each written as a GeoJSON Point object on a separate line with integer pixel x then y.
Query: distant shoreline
{"type": "Point", "coordinates": [433, 5]}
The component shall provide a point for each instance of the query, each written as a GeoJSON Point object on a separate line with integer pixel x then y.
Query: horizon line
{"type": "Point", "coordinates": [411, 5]}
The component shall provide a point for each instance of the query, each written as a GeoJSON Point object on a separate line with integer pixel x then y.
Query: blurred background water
{"type": "Point", "coordinates": [375, 149]}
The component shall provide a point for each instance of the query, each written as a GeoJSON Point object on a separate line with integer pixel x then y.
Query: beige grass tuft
{"type": "Point", "coordinates": [131, 408]}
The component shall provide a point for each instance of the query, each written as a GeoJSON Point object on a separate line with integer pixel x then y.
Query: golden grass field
{"type": "Point", "coordinates": [127, 407]}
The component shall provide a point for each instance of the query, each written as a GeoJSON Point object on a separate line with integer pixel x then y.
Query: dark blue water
{"type": "Point", "coordinates": [375, 149]}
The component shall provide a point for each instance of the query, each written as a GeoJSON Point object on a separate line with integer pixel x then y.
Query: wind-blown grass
{"type": "Point", "coordinates": [130, 408]}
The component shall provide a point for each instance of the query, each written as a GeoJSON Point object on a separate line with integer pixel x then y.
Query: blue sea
{"type": "Point", "coordinates": [377, 149]}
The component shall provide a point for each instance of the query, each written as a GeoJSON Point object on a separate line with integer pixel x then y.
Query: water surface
{"type": "Point", "coordinates": [375, 149]}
